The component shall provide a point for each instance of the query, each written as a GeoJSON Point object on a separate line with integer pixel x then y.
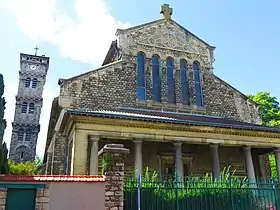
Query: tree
{"type": "Point", "coordinates": [270, 114]}
{"type": "Point", "coordinates": [3, 123]}
{"type": "Point", "coordinates": [269, 108]}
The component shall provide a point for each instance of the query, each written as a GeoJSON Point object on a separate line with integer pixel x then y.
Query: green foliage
{"type": "Point", "coordinates": [107, 160]}
{"type": "Point", "coordinates": [270, 114]}
{"type": "Point", "coordinates": [3, 122]}
{"type": "Point", "coordinates": [26, 168]}
{"type": "Point", "coordinates": [268, 107]}
{"type": "Point", "coordinates": [157, 193]}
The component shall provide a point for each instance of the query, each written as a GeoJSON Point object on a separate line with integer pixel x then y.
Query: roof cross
{"type": "Point", "coordinates": [166, 11]}
{"type": "Point", "coordinates": [36, 50]}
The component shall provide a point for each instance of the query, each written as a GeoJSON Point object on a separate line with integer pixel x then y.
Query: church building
{"type": "Point", "coordinates": [157, 94]}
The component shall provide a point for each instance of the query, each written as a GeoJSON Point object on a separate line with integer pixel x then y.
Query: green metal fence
{"type": "Point", "coordinates": [200, 194]}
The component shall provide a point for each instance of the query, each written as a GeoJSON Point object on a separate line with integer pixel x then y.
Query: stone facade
{"type": "Point", "coordinates": [42, 199]}
{"type": "Point", "coordinates": [32, 78]}
{"type": "Point", "coordinates": [115, 84]}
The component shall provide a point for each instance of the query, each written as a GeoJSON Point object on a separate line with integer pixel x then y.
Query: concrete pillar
{"type": "Point", "coordinates": [216, 170]}
{"type": "Point", "coordinates": [179, 167]}
{"type": "Point", "coordinates": [249, 163]}
{"type": "Point", "coordinates": [93, 165]}
{"type": "Point", "coordinates": [138, 164]}
{"type": "Point", "coordinates": [277, 160]}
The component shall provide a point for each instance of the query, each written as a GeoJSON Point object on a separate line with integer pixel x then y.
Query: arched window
{"type": "Point", "coordinates": [184, 82]}
{"type": "Point", "coordinates": [197, 84]}
{"type": "Point", "coordinates": [141, 76]}
{"type": "Point", "coordinates": [31, 108]}
{"type": "Point", "coordinates": [28, 135]}
{"type": "Point", "coordinates": [24, 107]}
{"type": "Point", "coordinates": [34, 83]}
{"type": "Point", "coordinates": [156, 79]}
{"type": "Point", "coordinates": [27, 82]}
{"type": "Point", "coordinates": [170, 81]}
{"type": "Point", "coordinates": [20, 134]}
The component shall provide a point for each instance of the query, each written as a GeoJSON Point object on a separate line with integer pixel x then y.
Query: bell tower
{"type": "Point", "coordinates": [29, 102]}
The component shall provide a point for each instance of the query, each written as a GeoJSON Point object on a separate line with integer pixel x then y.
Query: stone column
{"type": "Point", "coordinates": [93, 165]}
{"type": "Point", "coordinates": [277, 160]}
{"type": "Point", "coordinates": [179, 168]}
{"type": "Point", "coordinates": [138, 164]}
{"type": "Point", "coordinates": [114, 175]}
{"type": "Point", "coordinates": [249, 163]}
{"type": "Point", "coordinates": [215, 161]}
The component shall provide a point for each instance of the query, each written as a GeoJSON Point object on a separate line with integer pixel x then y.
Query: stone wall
{"type": "Point", "coordinates": [3, 193]}
{"type": "Point", "coordinates": [116, 84]}
{"type": "Point", "coordinates": [42, 199]}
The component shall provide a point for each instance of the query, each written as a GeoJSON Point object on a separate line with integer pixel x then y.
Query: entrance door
{"type": "Point", "coordinates": [23, 199]}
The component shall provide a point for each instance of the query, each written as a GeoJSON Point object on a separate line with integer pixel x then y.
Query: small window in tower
{"type": "Point", "coordinates": [20, 134]}
{"type": "Point", "coordinates": [28, 135]}
{"type": "Point", "coordinates": [21, 156]}
{"type": "Point", "coordinates": [31, 108]}
{"type": "Point", "coordinates": [24, 107]}
{"type": "Point", "coordinates": [27, 82]}
{"type": "Point", "coordinates": [34, 83]}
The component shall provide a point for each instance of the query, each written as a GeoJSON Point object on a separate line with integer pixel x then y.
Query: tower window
{"type": "Point", "coordinates": [21, 156]}
{"type": "Point", "coordinates": [141, 76]}
{"type": "Point", "coordinates": [197, 84]}
{"type": "Point", "coordinates": [28, 135]}
{"type": "Point", "coordinates": [31, 108]}
{"type": "Point", "coordinates": [24, 107]}
{"type": "Point", "coordinates": [20, 134]}
{"type": "Point", "coordinates": [27, 82]}
{"type": "Point", "coordinates": [170, 81]}
{"type": "Point", "coordinates": [34, 83]}
{"type": "Point", "coordinates": [156, 79]}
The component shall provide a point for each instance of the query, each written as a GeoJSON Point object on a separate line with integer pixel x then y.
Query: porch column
{"type": "Point", "coordinates": [179, 168]}
{"type": "Point", "coordinates": [277, 160]}
{"type": "Point", "coordinates": [249, 163]}
{"type": "Point", "coordinates": [93, 165]}
{"type": "Point", "coordinates": [138, 158]}
{"type": "Point", "coordinates": [215, 161]}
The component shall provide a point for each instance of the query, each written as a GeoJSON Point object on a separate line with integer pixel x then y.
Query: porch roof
{"type": "Point", "coordinates": [172, 118]}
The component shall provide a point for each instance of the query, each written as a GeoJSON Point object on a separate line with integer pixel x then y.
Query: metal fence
{"type": "Point", "coordinates": [200, 194]}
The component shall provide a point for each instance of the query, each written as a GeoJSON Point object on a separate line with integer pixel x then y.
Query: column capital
{"type": "Point", "coordinates": [213, 145]}
{"type": "Point", "coordinates": [246, 147]}
{"type": "Point", "coordinates": [177, 143]}
{"type": "Point", "coordinates": [93, 137]}
{"type": "Point", "coordinates": [137, 140]}
{"type": "Point", "coordinates": [277, 150]}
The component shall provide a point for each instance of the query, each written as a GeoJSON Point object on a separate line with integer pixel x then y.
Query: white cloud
{"type": "Point", "coordinates": [84, 37]}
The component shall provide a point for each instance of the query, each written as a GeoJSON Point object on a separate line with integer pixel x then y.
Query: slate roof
{"type": "Point", "coordinates": [172, 117]}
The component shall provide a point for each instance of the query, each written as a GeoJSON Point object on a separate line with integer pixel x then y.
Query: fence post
{"type": "Point", "coordinates": [139, 192]}
{"type": "Point", "coordinates": [230, 190]}
{"type": "Point", "coordinates": [275, 194]}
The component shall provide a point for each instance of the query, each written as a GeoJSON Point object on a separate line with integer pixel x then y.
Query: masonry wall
{"type": "Point", "coordinates": [116, 86]}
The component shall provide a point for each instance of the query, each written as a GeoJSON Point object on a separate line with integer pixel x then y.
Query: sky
{"type": "Point", "coordinates": [76, 35]}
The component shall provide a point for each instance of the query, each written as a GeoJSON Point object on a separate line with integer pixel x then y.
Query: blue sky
{"type": "Point", "coordinates": [76, 35]}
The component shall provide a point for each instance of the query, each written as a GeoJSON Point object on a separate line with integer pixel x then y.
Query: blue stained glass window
{"type": "Point", "coordinates": [170, 81]}
{"type": "Point", "coordinates": [184, 82]}
{"type": "Point", "coordinates": [197, 84]}
{"type": "Point", "coordinates": [156, 79]}
{"type": "Point", "coordinates": [141, 76]}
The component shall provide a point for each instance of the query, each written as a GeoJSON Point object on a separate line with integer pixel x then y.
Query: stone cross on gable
{"type": "Point", "coordinates": [166, 11]}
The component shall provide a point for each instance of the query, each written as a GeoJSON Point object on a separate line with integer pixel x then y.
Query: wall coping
{"type": "Point", "coordinates": [51, 178]}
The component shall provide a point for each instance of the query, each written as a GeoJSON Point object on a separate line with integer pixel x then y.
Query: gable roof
{"type": "Point", "coordinates": [163, 20]}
